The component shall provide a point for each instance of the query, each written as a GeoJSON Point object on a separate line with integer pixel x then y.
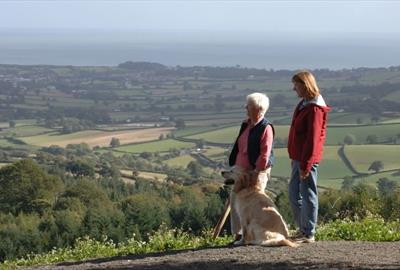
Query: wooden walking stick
{"type": "Point", "coordinates": [222, 219]}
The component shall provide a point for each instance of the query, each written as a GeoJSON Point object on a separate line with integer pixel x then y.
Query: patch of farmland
{"type": "Point", "coordinates": [229, 134]}
{"type": "Point", "coordinates": [155, 146]}
{"type": "Point", "coordinates": [181, 161]}
{"type": "Point", "coordinates": [25, 131]}
{"type": "Point", "coordinates": [95, 137]}
{"type": "Point", "coordinates": [146, 175]}
{"type": "Point", "coordinates": [330, 168]}
{"type": "Point", "coordinates": [362, 156]}
{"type": "Point", "coordinates": [336, 134]}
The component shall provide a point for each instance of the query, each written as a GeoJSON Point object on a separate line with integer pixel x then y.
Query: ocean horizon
{"type": "Point", "coordinates": [253, 50]}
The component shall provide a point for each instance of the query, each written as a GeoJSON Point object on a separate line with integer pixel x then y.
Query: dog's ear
{"type": "Point", "coordinates": [241, 182]}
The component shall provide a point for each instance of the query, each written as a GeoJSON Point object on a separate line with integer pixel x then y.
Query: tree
{"type": "Point", "coordinates": [26, 187]}
{"type": "Point", "coordinates": [80, 168]}
{"type": "Point", "coordinates": [195, 169]}
{"type": "Point", "coordinates": [146, 210]}
{"type": "Point", "coordinates": [386, 186]}
{"type": "Point", "coordinates": [347, 183]}
{"type": "Point", "coordinates": [349, 139]}
{"type": "Point", "coordinates": [11, 123]}
{"type": "Point", "coordinates": [180, 123]}
{"type": "Point", "coordinates": [200, 144]}
{"type": "Point", "coordinates": [114, 142]}
{"type": "Point", "coordinates": [372, 139]}
{"type": "Point", "coordinates": [376, 166]}
{"type": "Point", "coordinates": [219, 103]}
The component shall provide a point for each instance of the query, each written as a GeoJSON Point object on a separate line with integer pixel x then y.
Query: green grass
{"type": "Point", "coordinates": [156, 146]}
{"type": "Point", "coordinates": [369, 229]}
{"type": "Point", "coordinates": [336, 135]}
{"type": "Point", "coordinates": [392, 96]}
{"type": "Point", "coordinates": [374, 177]}
{"type": "Point", "coordinates": [188, 131]}
{"type": "Point", "coordinates": [392, 121]}
{"type": "Point", "coordinates": [85, 248]}
{"type": "Point", "coordinates": [361, 156]}
{"type": "Point", "coordinates": [181, 161]}
{"type": "Point", "coordinates": [211, 152]}
{"type": "Point", "coordinates": [331, 166]}
{"type": "Point", "coordinates": [229, 134]}
{"type": "Point", "coordinates": [25, 131]}
{"type": "Point", "coordinates": [349, 118]}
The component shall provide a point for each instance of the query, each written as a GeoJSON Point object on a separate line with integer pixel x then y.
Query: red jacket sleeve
{"type": "Point", "coordinates": [312, 143]}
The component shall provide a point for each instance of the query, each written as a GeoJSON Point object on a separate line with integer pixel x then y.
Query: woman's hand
{"type": "Point", "coordinates": [304, 174]}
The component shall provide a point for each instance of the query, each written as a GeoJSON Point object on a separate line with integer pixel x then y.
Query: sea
{"type": "Point", "coordinates": [267, 50]}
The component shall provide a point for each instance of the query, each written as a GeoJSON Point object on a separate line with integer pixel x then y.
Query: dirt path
{"type": "Point", "coordinates": [320, 255]}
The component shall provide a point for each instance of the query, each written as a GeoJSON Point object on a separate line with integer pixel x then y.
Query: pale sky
{"type": "Point", "coordinates": [235, 16]}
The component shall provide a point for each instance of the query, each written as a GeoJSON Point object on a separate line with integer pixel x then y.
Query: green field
{"type": "Point", "coordinates": [55, 138]}
{"type": "Point", "coordinates": [181, 161]}
{"type": "Point", "coordinates": [25, 131]}
{"type": "Point", "coordinates": [330, 168]}
{"type": "Point", "coordinates": [361, 156]}
{"type": "Point", "coordinates": [6, 143]}
{"type": "Point", "coordinates": [335, 134]}
{"type": "Point", "coordinates": [229, 134]}
{"type": "Point", "coordinates": [156, 146]}
{"type": "Point", "coordinates": [373, 178]}
{"type": "Point", "coordinates": [384, 132]}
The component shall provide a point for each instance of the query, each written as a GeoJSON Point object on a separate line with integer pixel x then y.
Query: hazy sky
{"type": "Point", "coordinates": [235, 16]}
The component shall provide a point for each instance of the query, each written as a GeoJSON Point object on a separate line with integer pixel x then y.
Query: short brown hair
{"type": "Point", "coordinates": [308, 80]}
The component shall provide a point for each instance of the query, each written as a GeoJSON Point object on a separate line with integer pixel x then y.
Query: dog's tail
{"type": "Point", "coordinates": [278, 242]}
{"type": "Point", "coordinates": [287, 242]}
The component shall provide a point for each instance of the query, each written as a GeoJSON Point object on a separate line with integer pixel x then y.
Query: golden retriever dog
{"type": "Point", "coordinates": [260, 221]}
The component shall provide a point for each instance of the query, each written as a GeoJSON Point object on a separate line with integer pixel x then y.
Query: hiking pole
{"type": "Point", "coordinates": [222, 219]}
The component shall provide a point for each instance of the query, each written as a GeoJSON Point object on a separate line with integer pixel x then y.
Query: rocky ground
{"type": "Point", "coordinates": [319, 255]}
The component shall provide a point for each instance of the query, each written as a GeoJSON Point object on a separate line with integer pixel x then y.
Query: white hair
{"type": "Point", "coordinates": [259, 100]}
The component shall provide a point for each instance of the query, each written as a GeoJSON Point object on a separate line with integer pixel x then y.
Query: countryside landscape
{"type": "Point", "coordinates": [123, 152]}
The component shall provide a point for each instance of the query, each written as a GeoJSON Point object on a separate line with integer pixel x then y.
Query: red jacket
{"type": "Point", "coordinates": [307, 134]}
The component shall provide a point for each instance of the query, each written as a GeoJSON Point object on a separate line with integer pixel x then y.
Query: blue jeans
{"type": "Point", "coordinates": [303, 196]}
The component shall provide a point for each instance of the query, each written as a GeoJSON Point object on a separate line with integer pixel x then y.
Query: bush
{"type": "Point", "coordinates": [371, 228]}
{"type": "Point", "coordinates": [86, 248]}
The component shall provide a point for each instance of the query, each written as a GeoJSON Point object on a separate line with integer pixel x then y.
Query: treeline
{"type": "Point", "coordinates": [69, 193]}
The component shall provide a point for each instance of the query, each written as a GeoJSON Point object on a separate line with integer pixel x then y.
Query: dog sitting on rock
{"type": "Point", "coordinates": [260, 220]}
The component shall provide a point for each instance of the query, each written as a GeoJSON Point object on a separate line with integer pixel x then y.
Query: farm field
{"type": "Point", "coordinates": [25, 131]}
{"type": "Point", "coordinates": [331, 167]}
{"type": "Point", "coordinates": [147, 175]}
{"type": "Point", "coordinates": [181, 161]}
{"type": "Point", "coordinates": [361, 156]}
{"type": "Point", "coordinates": [335, 134]}
{"type": "Point", "coordinates": [96, 138]}
{"type": "Point", "coordinates": [373, 178]}
{"type": "Point", "coordinates": [155, 146]}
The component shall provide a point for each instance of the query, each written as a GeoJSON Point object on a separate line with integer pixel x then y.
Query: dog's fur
{"type": "Point", "coordinates": [260, 221]}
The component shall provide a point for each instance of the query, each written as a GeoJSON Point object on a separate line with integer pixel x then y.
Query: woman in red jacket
{"type": "Point", "coordinates": [306, 139]}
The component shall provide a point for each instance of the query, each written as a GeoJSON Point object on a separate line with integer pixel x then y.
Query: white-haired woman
{"type": "Point", "coordinates": [252, 151]}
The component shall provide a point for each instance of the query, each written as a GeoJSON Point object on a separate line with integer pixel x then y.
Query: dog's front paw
{"type": "Point", "coordinates": [239, 242]}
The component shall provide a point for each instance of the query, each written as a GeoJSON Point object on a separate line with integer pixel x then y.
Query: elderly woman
{"type": "Point", "coordinates": [252, 151]}
{"type": "Point", "coordinates": [306, 139]}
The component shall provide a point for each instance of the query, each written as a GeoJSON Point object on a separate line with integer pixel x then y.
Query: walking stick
{"type": "Point", "coordinates": [222, 219]}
